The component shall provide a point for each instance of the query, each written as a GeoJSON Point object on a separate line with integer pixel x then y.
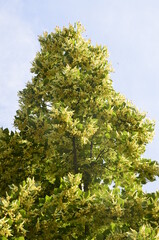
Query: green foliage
{"type": "Point", "coordinates": [18, 210]}
{"type": "Point", "coordinates": [145, 232]}
{"type": "Point", "coordinates": [76, 137]}
{"type": "Point", "coordinates": [13, 168]}
{"type": "Point", "coordinates": [66, 213]}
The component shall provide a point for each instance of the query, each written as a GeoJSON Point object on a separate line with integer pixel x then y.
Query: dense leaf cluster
{"type": "Point", "coordinates": [74, 168]}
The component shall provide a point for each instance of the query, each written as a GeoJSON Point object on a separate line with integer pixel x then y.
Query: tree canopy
{"type": "Point", "coordinates": [74, 168]}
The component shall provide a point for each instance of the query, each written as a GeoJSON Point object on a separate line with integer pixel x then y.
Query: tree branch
{"type": "Point", "coordinates": [101, 152]}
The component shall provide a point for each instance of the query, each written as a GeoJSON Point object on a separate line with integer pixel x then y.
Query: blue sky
{"type": "Point", "coordinates": [130, 30]}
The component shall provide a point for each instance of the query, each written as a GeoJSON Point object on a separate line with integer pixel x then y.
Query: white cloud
{"type": "Point", "coordinates": [17, 49]}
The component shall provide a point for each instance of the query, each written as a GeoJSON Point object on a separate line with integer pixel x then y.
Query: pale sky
{"type": "Point", "coordinates": [130, 30]}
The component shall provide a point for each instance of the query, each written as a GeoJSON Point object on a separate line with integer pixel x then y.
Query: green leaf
{"type": "Point", "coordinates": [39, 64]}
{"type": "Point", "coordinates": [48, 198]}
{"type": "Point", "coordinates": [22, 212]}
{"type": "Point", "coordinates": [4, 238]}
